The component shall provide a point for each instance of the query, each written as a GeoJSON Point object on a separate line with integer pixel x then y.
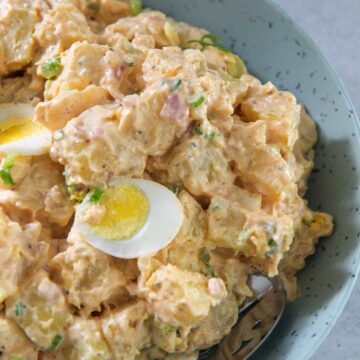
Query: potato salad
{"type": "Point", "coordinates": [144, 176]}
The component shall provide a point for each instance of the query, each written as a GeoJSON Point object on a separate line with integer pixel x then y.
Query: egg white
{"type": "Point", "coordinates": [161, 226]}
{"type": "Point", "coordinates": [35, 144]}
{"type": "Point", "coordinates": [9, 110]}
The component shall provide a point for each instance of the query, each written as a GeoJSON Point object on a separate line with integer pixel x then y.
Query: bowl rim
{"type": "Point", "coordinates": [350, 283]}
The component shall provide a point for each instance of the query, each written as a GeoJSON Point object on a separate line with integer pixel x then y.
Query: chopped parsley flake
{"type": "Point", "coordinates": [196, 101]}
{"type": "Point", "coordinates": [136, 6]}
{"type": "Point", "coordinates": [5, 172]}
{"type": "Point", "coordinates": [55, 342]}
{"type": "Point", "coordinates": [96, 195]}
{"type": "Point", "coordinates": [52, 68]}
{"type": "Point", "coordinates": [19, 309]}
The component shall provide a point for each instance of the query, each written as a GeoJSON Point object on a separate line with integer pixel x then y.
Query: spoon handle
{"type": "Point", "coordinates": [256, 321]}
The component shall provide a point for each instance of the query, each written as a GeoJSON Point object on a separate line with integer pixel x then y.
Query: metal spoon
{"type": "Point", "coordinates": [257, 319]}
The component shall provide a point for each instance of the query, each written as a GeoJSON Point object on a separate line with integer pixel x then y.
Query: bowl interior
{"type": "Point", "coordinates": [275, 49]}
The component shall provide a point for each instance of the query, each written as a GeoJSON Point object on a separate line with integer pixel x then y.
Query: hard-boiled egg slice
{"type": "Point", "coordinates": [19, 134]}
{"type": "Point", "coordinates": [134, 217]}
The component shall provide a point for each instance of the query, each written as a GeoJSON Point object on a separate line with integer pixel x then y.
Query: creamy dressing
{"type": "Point", "coordinates": [141, 97]}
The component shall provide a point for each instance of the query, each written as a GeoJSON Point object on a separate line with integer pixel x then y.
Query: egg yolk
{"type": "Point", "coordinates": [16, 128]}
{"type": "Point", "coordinates": [126, 210]}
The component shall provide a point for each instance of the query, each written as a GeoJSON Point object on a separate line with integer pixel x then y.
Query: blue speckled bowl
{"type": "Point", "coordinates": [276, 49]}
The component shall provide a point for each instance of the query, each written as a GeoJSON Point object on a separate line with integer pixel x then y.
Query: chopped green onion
{"type": "Point", "coordinates": [308, 217]}
{"type": "Point", "coordinates": [244, 235]}
{"type": "Point", "coordinates": [96, 195]}
{"type": "Point", "coordinates": [131, 50]}
{"type": "Point", "coordinates": [176, 84]}
{"type": "Point", "coordinates": [214, 40]}
{"type": "Point", "coordinates": [274, 246]}
{"type": "Point", "coordinates": [195, 42]}
{"type": "Point", "coordinates": [51, 68]}
{"type": "Point", "coordinates": [174, 188]}
{"type": "Point", "coordinates": [165, 82]}
{"type": "Point", "coordinates": [128, 63]}
{"type": "Point", "coordinates": [272, 243]}
{"type": "Point", "coordinates": [136, 7]}
{"type": "Point", "coordinates": [203, 45]}
{"type": "Point", "coordinates": [165, 329]}
{"type": "Point", "coordinates": [173, 83]}
{"type": "Point", "coordinates": [237, 68]}
{"type": "Point", "coordinates": [216, 207]}
{"type": "Point", "coordinates": [210, 136]}
{"type": "Point", "coordinates": [307, 145]}
{"type": "Point", "coordinates": [93, 6]}
{"type": "Point", "coordinates": [210, 270]}
{"type": "Point", "coordinates": [5, 172]}
{"type": "Point", "coordinates": [196, 101]}
{"type": "Point", "coordinates": [19, 309]}
{"type": "Point", "coordinates": [204, 256]}
{"type": "Point", "coordinates": [209, 40]}
{"type": "Point", "coordinates": [9, 162]}
{"type": "Point", "coordinates": [16, 357]}
{"type": "Point", "coordinates": [171, 34]}
{"type": "Point", "coordinates": [6, 177]}
{"type": "Point", "coordinates": [76, 195]}
{"type": "Point", "coordinates": [55, 342]}
{"type": "Point", "coordinates": [76, 192]}
{"type": "Point", "coordinates": [48, 84]}
{"type": "Point", "coordinates": [58, 135]}
{"type": "Point", "coordinates": [222, 49]}
{"type": "Point", "coordinates": [197, 130]}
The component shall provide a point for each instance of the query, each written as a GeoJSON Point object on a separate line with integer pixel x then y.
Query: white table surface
{"type": "Point", "coordinates": [334, 25]}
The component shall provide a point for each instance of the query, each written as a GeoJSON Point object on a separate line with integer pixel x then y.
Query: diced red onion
{"type": "Point", "coordinates": [175, 108]}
